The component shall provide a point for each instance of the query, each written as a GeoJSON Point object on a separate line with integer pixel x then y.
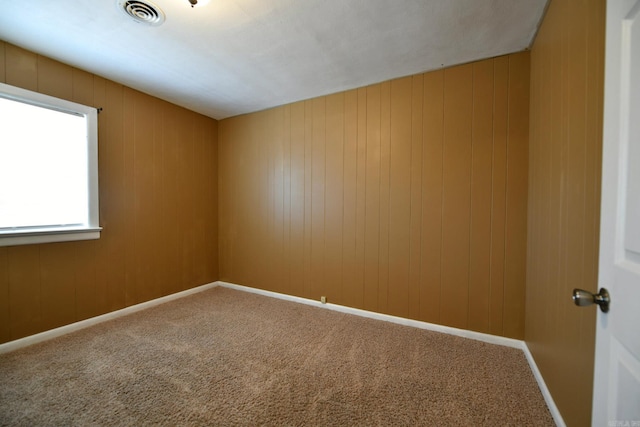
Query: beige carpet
{"type": "Point", "coordinates": [230, 358]}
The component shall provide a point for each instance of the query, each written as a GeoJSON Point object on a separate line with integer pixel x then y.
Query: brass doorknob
{"type": "Point", "coordinates": [583, 298]}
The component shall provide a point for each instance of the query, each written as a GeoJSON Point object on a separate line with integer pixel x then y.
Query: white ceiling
{"type": "Point", "coordinates": [237, 56]}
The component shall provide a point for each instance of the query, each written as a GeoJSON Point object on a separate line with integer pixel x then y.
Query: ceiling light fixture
{"type": "Point", "coordinates": [198, 3]}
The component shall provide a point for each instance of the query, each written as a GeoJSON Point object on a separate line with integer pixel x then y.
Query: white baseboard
{"type": "Point", "coordinates": [492, 339]}
{"type": "Point", "coordinates": [555, 413]}
{"type": "Point", "coordinates": [53, 333]}
{"type": "Point", "coordinates": [478, 336]}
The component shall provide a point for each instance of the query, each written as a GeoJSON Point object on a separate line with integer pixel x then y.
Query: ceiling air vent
{"type": "Point", "coordinates": [143, 12]}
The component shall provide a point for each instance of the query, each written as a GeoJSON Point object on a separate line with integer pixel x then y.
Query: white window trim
{"type": "Point", "coordinates": [60, 234]}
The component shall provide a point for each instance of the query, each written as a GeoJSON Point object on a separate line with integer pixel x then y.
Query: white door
{"type": "Point", "coordinates": [616, 398]}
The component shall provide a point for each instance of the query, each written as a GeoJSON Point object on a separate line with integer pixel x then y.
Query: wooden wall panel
{"type": "Point", "coordinates": [334, 200]}
{"type": "Point", "coordinates": [277, 199]}
{"type": "Point", "coordinates": [480, 227]}
{"type": "Point", "coordinates": [296, 226]}
{"type": "Point", "coordinates": [567, 68]}
{"type": "Point", "coordinates": [158, 207]}
{"type": "Point", "coordinates": [361, 189]}
{"type": "Point", "coordinates": [498, 200]}
{"type": "Point", "coordinates": [5, 295]}
{"type": "Point", "coordinates": [415, 224]}
{"type": "Point", "coordinates": [516, 213]}
{"type": "Point", "coordinates": [58, 284]}
{"type": "Point", "coordinates": [431, 282]}
{"type": "Point", "coordinates": [399, 196]}
{"type": "Point", "coordinates": [456, 189]}
{"type": "Point", "coordinates": [3, 73]}
{"type": "Point", "coordinates": [21, 67]}
{"type": "Point", "coordinates": [385, 189]}
{"type": "Point", "coordinates": [25, 299]}
{"type": "Point", "coordinates": [349, 266]}
{"type": "Point", "coordinates": [372, 201]}
{"type": "Point", "coordinates": [318, 191]}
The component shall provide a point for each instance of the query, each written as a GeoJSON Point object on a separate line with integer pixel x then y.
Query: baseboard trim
{"type": "Point", "coordinates": [555, 413]}
{"type": "Point", "coordinates": [54, 333]}
{"type": "Point", "coordinates": [478, 336]}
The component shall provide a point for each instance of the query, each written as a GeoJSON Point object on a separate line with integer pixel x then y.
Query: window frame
{"type": "Point", "coordinates": [90, 230]}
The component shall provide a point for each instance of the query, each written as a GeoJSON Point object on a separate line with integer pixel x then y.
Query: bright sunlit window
{"type": "Point", "coordinates": [48, 169]}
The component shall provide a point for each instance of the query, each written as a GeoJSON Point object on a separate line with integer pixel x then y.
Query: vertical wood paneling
{"type": "Point", "coordinates": [82, 87]}
{"type": "Point", "coordinates": [54, 78]}
{"type": "Point", "coordinates": [517, 173]}
{"type": "Point", "coordinates": [3, 73]}
{"type": "Point", "coordinates": [567, 63]}
{"type": "Point", "coordinates": [144, 204]}
{"type": "Point", "coordinates": [297, 198]}
{"type": "Point", "coordinates": [200, 181]}
{"type": "Point", "coordinates": [481, 159]}
{"type": "Point", "coordinates": [277, 235]}
{"type": "Point", "coordinates": [157, 170]}
{"type": "Point", "coordinates": [498, 200]}
{"type": "Point", "coordinates": [372, 200]}
{"type": "Point", "coordinates": [456, 195]}
{"type": "Point", "coordinates": [21, 68]}
{"type": "Point", "coordinates": [5, 318]}
{"type": "Point", "coordinates": [318, 178]}
{"type": "Point", "coordinates": [266, 238]}
{"type": "Point", "coordinates": [89, 288]}
{"type": "Point", "coordinates": [415, 224]}
{"type": "Point", "coordinates": [58, 284]}
{"type": "Point", "coordinates": [398, 196]}
{"type": "Point", "coordinates": [334, 197]}
{"type": "Point", "coordinates": [210, 198]}
{"type": "Point", "coordinates": [172, 199]}
{"type": "Point", "coordinates": [349, 266]}
{"type": "Point", "coordinates": [25, 297]}
{"type": "Point", "coordinates": [239, 205]}
{"type": "Point", "coordinates": [129, 197]}
{"type": "Point", "coordinates": [308, 198]}
{"type": "Point", "coordinates": [186, 198]}
{"type": "Point", "coordinates": [385, 159]}
{"type": "Point", "coordinates": [286, 203]}
{"type": "Point", "coordinates": [111, 195]}
{"type": "Point", "coordinates": [361, 194]}
{"type": "Point", "coordinates": [430, 286]}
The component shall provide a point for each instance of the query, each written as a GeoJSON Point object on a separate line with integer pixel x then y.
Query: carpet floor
{"type": "Point", "coordinates": [230, 358]}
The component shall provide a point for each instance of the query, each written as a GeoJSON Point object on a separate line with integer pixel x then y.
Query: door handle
{"type": "Point", "coordinates": [583, 298]}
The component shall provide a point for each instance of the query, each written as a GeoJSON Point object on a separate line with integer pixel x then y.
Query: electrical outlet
{"type": "Point", "coordinates": [323, 299]}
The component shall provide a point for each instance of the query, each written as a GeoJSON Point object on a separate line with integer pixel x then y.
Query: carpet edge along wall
{"type": "Point", "coordinates": [407, 197]}
{"type": "Point", "coordinates": [158, 206]}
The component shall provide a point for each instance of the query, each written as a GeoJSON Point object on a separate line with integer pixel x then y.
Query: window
{"type": "Point", "coordinates": [48, 169]}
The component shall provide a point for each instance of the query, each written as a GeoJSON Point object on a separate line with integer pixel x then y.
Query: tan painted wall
{"type": "Point", "coordinates": [158, 195]}
{"type": "Point", "coordinates": [567, 63]}
{"type": "Point", "coordinates": [406, 197]}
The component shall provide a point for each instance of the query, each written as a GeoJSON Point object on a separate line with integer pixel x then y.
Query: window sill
{"type": "Point", "coordinates": [30, 237]}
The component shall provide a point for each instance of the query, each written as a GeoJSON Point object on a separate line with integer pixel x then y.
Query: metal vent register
{"type": "Point", "coordinates": [143, 12]}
